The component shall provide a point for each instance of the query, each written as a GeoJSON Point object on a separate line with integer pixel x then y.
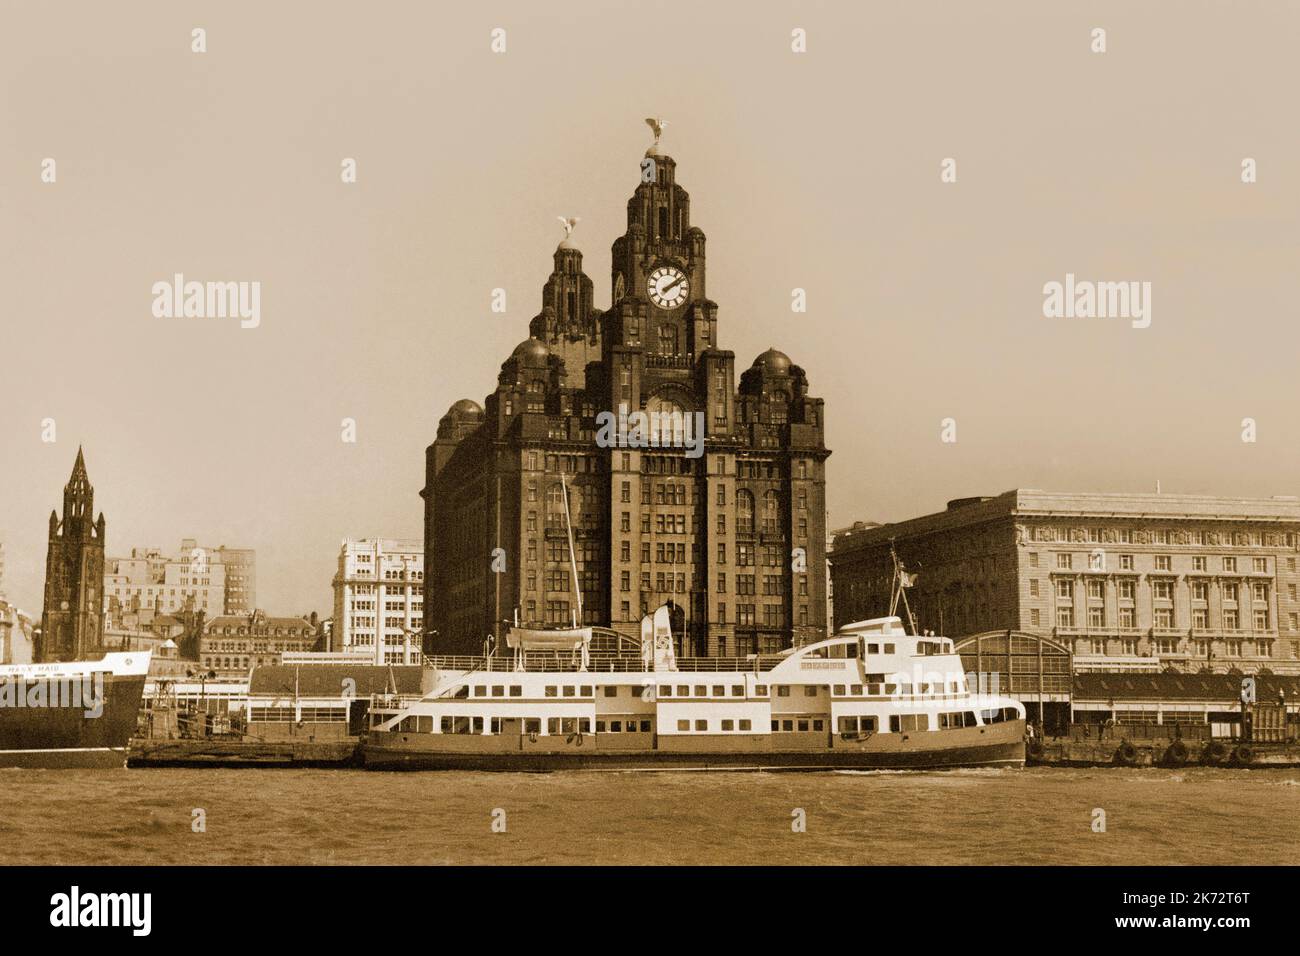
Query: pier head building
{"type": "Point", "coordinates": [1037, 587]}
{"type": "Point", "coordinates": [727, 527]}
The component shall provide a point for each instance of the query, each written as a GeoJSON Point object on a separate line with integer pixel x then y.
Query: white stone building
{"type": "Point", "coordinates": [379, 599]}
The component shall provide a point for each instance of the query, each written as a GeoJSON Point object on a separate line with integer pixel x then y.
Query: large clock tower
{"type": "Point", "coordinates": [731, 538]}
{"type": "Point", "coordinates": [658, 280]}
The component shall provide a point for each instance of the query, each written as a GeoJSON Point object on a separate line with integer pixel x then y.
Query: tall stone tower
{"type": "Point", "coordinates": [72, 623]}
{"type": "Point", "coordinates": [731, 539]}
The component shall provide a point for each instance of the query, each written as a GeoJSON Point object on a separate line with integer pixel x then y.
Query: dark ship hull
{"type": "Point", "coordinates": [70, 715]}
{"type": "Point", "coordinates": [997, 745]}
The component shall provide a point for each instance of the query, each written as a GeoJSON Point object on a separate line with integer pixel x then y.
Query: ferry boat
{"type": "Point", "coordinates": [70, 714]}
{"type": "Point", "coordinates": [871, 697]}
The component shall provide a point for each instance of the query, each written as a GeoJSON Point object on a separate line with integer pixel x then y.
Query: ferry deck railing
{"type": "Point", "coordinates": [598, 663]}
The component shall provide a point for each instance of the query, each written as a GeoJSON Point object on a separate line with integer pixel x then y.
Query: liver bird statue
{"type": "Point", "coordinates": [568, 224]}
{"type": "Point", "coordinates": [657, 125]}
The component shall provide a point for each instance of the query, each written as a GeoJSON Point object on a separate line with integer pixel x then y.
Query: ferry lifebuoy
{"type": "Point", "coordinates": [1126, 754]}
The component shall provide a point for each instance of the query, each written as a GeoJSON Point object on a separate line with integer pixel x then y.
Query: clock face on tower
{"type": "Point", "coordinates": [667, 287]}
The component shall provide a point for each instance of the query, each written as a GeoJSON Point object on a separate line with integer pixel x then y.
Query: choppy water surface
{"type": "Point", "coordinates": [1195, 816]}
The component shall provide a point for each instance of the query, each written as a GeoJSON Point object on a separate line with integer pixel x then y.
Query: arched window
{"type": "Point", "coordinates": [667, 422]}
{"type": "Point", "coordinates": [744, 512]}
{"type": "Point", "coordinates": [771, 512]}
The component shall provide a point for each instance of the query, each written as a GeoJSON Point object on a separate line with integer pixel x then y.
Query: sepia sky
{"type": "Point", "coordinates": [817, 170]}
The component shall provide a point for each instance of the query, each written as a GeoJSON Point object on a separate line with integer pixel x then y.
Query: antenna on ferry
{"type": "Point", "coordinates": [902, 581]}
{"type": "Point", "coordinates": [573, 561]}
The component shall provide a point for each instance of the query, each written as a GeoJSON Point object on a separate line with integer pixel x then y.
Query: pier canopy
{"type": "Point", "coordinates": [1033, 669]}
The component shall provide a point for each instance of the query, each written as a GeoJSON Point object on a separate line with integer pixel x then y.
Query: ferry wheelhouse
{"type": "Point", "coordinates": [870, 697]}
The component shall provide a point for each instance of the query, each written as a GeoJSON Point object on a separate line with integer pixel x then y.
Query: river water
{"type": "Point", "coordinates": [1037, 815]}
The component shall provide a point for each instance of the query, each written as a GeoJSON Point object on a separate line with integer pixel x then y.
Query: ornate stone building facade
{"type": "Point", "coordinates": [1171, 581]}
{"type": "Point", "coordinates": [72, 622]}
{"type": "Point", "coordinates": [732, 539]}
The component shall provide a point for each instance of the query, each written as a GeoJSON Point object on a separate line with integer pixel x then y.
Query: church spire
{"type": "Point", "coordinates": [72, 626]}
{"type": "Point", "coordinates": [78, 493]}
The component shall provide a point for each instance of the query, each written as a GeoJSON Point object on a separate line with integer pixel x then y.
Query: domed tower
{"type": "Point", "coordinates": [774, 391]}
{"type": "Point", "coordinates": [72, 621]}
{"type": "Point", "coordinates": [569, 323]}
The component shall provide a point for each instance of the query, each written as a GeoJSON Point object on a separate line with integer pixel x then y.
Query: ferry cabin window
{"type": "Point", "coordinates": [745, 724]}
{"type": "Point", "coordinates": [838, 690]}
{"type": "Point", "coordinates": [666, 690]}
{"type": "Point", "coordinates": [615, 726]}
{"type": "Point", "coordinates": [873, 648]}
{"type": "Point", "coordinates": [600, 726]}
{"type": "Point", "coordinates": [585, 691]}
{"type": "Point", "coordinates": [889, 648]}
{"type": "Point", "coordinates": [683, 725]}
{"type": "Point", "coordinates": [701, 725]}
{"type": "Point", "coordinates": [728, 725]}
{"type": "Point", "coordinates": [719, 690]}
{"type": "Point", "coordinates": [683, 690]}
{"type": "Point", "coordinates": [854, 725]}
{"type": "Point", "coordinates": [496, 725]}
{"type": "Point", "coordinates": [737, 690]}
{"type": "Point", "coordinates": [760, 690]}
{"type": "Point", "coordinates": [902, 723]}
{"type": "Point", "coordinates": [532, 725]}
{"type": "Point", "coordinates": [498, 690]}
{"type": "Point", "coordinates": [516, 690]}
{"type": "Point", "coordinates": [552, 691]}
{"type": "Point", "coordinates": [855, 690]}
{"type": "Point", "coordinates": [480, 690]}
{"type": "Point", "coordinates": [782, 690]}
{"type": "Point", "coordinates": [570, 690]}
{"type": "Point", "coordinates": [645, 726]}
{"type": "Point", "coordinates": [810, 691]}
{"type": "Point", "coordinates": [611, 690]}
{"type": "Point", "coordinates": [701, 690]}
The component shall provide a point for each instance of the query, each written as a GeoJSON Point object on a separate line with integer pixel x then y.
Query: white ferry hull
{"type": "Point", "coordinates": [996, 745]}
